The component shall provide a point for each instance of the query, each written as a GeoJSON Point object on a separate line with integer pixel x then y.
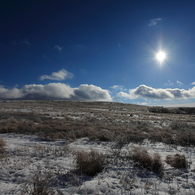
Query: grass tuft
{"type": "Point", "coordinates": [144, 160]}
{"type": "Point", "coordinates": [178, 161]}
{"type": "Point", "coordinates": [89, 163]}
{"type": "Point", "coordinates": [38, 185]}
{"type": "Point", "coordinates": [2, 147]}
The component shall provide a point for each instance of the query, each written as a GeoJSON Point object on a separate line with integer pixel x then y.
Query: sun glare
{"type": "Point", "coordinates": [161, 56]}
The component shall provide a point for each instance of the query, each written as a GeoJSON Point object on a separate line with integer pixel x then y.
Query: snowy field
{"type": "Point", "coordinates": [42, 142]}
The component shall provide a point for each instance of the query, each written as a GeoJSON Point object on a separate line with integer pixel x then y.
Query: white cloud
{"type": "Point", "coordinates": [154, 22]}
{"type": "Point", "coordinates": [91, 92]}
{"type": "Point", "coordinates": [10, 93]}
{"type": "Point", "coordinates": [50, 91]}
{"type": "Point", "coordinates": [141, 103]}
{"type": "Point", "coordinates": [180, 83]}
{"type": "Point", "coordinates": [193, 83]}
{"type": "Point", "coordinates": [59, 48]}
{"type": "Point", "coordinates": [57, 76]}
{"type": "Point", "coordinates": [118, 87]}
{"type": "Point", "coordinates": [146, 92]}
{"type": "Point", "coordinates": [58, 91]}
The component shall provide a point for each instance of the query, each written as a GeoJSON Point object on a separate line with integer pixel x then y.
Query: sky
{"type": "Point", "coordinates": [100, 50]}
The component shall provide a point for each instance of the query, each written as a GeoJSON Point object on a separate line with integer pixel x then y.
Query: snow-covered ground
{"type": "Point", "coordinates": [27, 155]}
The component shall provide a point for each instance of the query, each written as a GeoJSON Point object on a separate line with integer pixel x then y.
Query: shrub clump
{"type": "Point", "coordinates": [144, 160]}
{"type": "Point", "coordinates": [178, 161]}
{"type": "Point", "coordinates": [136, 137]}
{"type": "Point", "coordinates": [89, 163]}
{"type": "Point", "coordinates": [38, 185]}
{"type": "Point", "coordinates": [2, 147]}
{"type": "Point", "coordinates": [185, 138]}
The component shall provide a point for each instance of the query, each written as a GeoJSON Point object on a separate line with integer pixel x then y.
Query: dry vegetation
{"type": "Point", "coordinates": [121, 124]}
{"type": "Point", "coordinates": [39, 184]}
{"type": "Point", "coordinates": [178, 161]}
{"type": "Point", "coordinates": [52, 120]}
{"type": "Point", "coordinates": [2, 148]}
{"type": "Point", "coordinates": [89, 163]}
{"type": "Point", "coordinates": [144, 160]}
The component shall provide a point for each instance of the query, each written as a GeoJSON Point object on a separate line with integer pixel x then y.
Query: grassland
{"type": "Point", "coordinates": [135, 149]}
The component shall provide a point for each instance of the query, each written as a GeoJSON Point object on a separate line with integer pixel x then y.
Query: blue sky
{"type": "Point", "coordinates": [100, 50]}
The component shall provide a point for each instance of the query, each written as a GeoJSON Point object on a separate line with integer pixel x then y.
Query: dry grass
{"type": "Point", "coordinates": [185, 138]}
{"type": "Point", "coordinates": [89, 163]}
{"type": "Point", "coordinates": [2, 147]}
{"type": "Point", "coordinates": [157, 165]}
{"type": "Point", "coordinates": [178, 161]}
{"type": "Point", "coordinates": [162, 135]}
{"type": "Point", "coordinates": [87, 119]}
{"type": "Point", "coordinates": [136, 136]}
{"type": "Point", "coordinates": [38, 185]}
{"type": "Point", "coordinates": [144, 160]}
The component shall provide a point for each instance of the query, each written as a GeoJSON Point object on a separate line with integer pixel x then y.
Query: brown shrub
{"type": "Point", "coordinates": [185, 138]}
{"type": "Point", "coordinates": [178, 161]}
{"type": "Point", "coordinates": [135, 136]}
{"type": "Point", "coordinates": [178, 125]}
{"type": "Point", "coordinates": [165, 136]}
{"type": "Point", "coordinates": [141, 156]}
{"type": "Point", "coordinates": [85, 132]}
{"type": "Point", "coordinates": [144, 160]}
{"type": "Point", "coordinates": [38, 185]}
{"type": "Point", "coordinates": [101, 136]}
{"type": "Point", "coordinates": [120, 140]}
{"type": "Point", "coordinates": [89, 163]}
{"type": "Point", "coordinates": [2, 147]}
{"type": "Point", "coordinates": [157, 165]}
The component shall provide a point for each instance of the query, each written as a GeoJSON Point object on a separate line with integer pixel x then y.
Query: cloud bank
{"type": "Point", "coordinates": [91, 92]}
{"type": "Point", "coordinates": [146, 92]}
{"type": "Point", "coordinates": [9, 93]}
{"type": "Point", "coordinates": [57, 91]}
{"type": "Point", "coordinates": [57, 76]}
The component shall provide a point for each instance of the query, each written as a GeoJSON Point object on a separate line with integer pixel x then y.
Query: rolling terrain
{"type": "Point", "coordinates": [72, 147]}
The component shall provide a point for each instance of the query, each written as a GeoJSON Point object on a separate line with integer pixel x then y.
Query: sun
{"type": "Point", "coordinates": [161, 56]}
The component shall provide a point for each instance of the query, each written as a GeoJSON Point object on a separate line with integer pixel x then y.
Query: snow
{"type": "Point", "coordinates": [27, 154]}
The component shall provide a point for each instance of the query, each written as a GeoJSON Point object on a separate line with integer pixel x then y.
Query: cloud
{"type": "Point", "coordinates": [180, 83]}
{"type": "Point", "coordinates": [59, 48]}
{"type": "Point", "coordinates": [10, 93]}
{"type": "Point", "coordinates": [50, 91]}
{"type": "Point", "coordinates": [169, 83]}
{"type": "Point", "coordinates": [154, 22]}
{"type": "Point", "coordinates": [146, 92]}
{"type": "Point", "coordinates": [91, 92]}
{"type": "Point", "coordinates": [58, 76]}
{"type": "Point", "coordinates": [142, 103]}
{"type": "Point", "coordinates": [57, 91]}
{"type": "Point", "coordinates": [118, 87]}
{"type": "Point", "coordinates": [193, 83]}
